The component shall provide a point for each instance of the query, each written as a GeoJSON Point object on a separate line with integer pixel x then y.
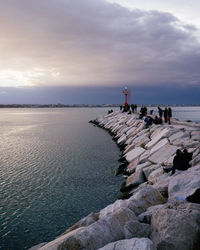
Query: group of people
{"type": "Point", "coordinates": [143, 111]}
{"type": "Point", "coordinates": [167, 113]}
{"type": "Point", "coordinates": [180, 161]}
{"type": "Point", "coordinates": [128, 108]}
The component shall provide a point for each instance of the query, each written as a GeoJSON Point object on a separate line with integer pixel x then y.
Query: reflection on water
{"type": "Point", "coordinates": [54, 169]}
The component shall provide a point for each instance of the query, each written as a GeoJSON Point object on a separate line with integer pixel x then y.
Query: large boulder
{"type": "Point", "coordinates": [84, 222]}
{"type": "Point", "coordinates": [131, 244]}
{"type": "Point", "coordinates": [107, 229]}
{"type": "Point", "coordinates": [156, 175]}
{"type": "Point", "coordinates": [132, 166]}
{"type": "Point", "coordinates": [145, 197]}
{"type": "Point", "coordinates": [163, 133]}
{"type": "Point", "coordinates": [146, 216]}
{"type": "Point", "coordinates": [159, 145]}
{"type": "Point", "coordinates": [135, 179]}
{"type": "Point", "coordinates": [134, 153]}
{"type": "Point", "coordinates": [176, 226]}
{"type": "Point", "coordinates": [185, 183]}
{"type": "Point", "coordinates": [178, 135]}
{"type": "Point", "coordinates": [149, 169]}
{"type": "Point", "coordinates": [163, 154]}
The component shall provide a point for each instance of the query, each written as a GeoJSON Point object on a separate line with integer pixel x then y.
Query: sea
{"type": "Point", "coordinates": [56, 168]}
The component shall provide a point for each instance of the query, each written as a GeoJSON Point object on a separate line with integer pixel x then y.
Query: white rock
{"type": "Point", "coordinates": [163, 154]}
{"type": "Point", "coordinates": [143, 165]}
{"type": "Point", "coordinates": [148, 170]}
{"type": "Point", "coordinates": [185, 183]}
{"type": "Point", "coordinates": [144, 157]}
{"type": "Point", "coordinates": [145, 197]}
{"type": "Point", "coordinates": [132, 166]}
{"type": "Point", "coordinates": [163, 133]}
{"type": "Point", "coordinates": [135, 179]}
{"type": "Point", "coordinates": [131, 244]}
{"type": "Point", "coordinates": [178, 135]}
{"type": "Point", "coordinates": [118, 204]}
{"type": "Point", "coordinates": [180, 141]}
{"type": "Point", "coordinates": [159, 145]}
{"type": "Point", "coordinates": [176, 226]}
{"type": "Point", "coordinates": [155, 131]}
{"type": "Point", "coordinates": [190, 144]}
{"type": "Point", "coordinates": [108, 229]}
{"type": "Point", "coordinates": [134, 153]}
{"type": "Point", "coordinates": [121, 140]}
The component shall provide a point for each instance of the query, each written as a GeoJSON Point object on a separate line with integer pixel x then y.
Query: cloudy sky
{"type": "Point", "coordinates": [87, 51]}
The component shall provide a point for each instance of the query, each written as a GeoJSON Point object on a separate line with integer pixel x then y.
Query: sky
{"type": "Point", "coordinates": [87, 51]}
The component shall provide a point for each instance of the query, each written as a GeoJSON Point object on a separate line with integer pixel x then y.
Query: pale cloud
{"type": "Point", "coordinates": [90, 42]}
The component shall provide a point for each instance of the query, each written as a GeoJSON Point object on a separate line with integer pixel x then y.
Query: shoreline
{"type": "Point", "coordinates": [152, 196]}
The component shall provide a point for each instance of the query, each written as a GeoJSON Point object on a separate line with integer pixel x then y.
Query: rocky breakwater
{"type": "Point", "coordinates": [162, 211]}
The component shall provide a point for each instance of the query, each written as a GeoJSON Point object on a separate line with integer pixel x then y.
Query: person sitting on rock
{"type": "Point", "coordinates": [157, 120]}
{"type": "Point", "coordinates": [177, 162]}
{"type": "Point", "coordinates": [180, 161]}
{"type": "Point", "coordinates": [187, 157]}
{"type": "Point", "coordinates": [148, 121]}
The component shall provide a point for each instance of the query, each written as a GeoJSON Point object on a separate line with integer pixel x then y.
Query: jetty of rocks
{"type": "Point", "coordinates": [160, 211]}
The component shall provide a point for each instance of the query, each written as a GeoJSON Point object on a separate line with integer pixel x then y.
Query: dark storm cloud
{"type": "Point", "coordinates": [160, 94]}
{"type": "Point", "coordinates": [97, 43]}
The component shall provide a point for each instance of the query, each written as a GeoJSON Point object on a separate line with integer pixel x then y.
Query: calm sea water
{"type": "Point", "coordinates": [55, 168]}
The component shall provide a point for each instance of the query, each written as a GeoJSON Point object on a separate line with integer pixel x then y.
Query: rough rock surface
{"type": "Point", "coordinates": [108, 229]}
{"type": "Point", "coordinates": [176, 226]}
{"type": "Point", "coordinates": [185, 183]}
{"type": "Point", "coordinates": [132, 244]}
{"type": "Point", "coordinates": [134, 153]}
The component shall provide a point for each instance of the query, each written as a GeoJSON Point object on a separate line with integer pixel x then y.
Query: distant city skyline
{"type": "Point", "coordinates": [65, 51]}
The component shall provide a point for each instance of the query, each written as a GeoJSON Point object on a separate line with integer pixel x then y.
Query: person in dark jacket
{"type": "Point", "coordinates": [180, 161]}
{"type": "Point", "coordinates": [187, 157]}
{"type": "Point", "coordinates": [165, 114]}
{"type": "Point", "coordinates": [169, 115]}
{"type": "Point", "coordinates": [160, 112]}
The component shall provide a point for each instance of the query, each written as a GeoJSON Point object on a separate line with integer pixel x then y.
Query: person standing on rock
{"type": "Point", "coordinates": [160, 112]}
{"type": "Point", "coordinates": [169, 115]}
{"type": "Point", "coordinates": [165, 114]}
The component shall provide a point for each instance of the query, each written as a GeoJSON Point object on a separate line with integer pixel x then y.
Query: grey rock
{"type": "Point", "coordinates": [176, 226]}
{"type": "Point", "coordinates": [136, 229]}
{"type": "Point", "coordinates": [146, 216]}
{"type": "Point", "coordinates": [108, 229]}
{"type": "Point", "coordinates": [86, 221]}
{"type": "Point", "coordinates": [185, 183]}
{"type": "Point", "coordinates": [146, 197]}
{"type": "Point", "coordinates": [131, 244]}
